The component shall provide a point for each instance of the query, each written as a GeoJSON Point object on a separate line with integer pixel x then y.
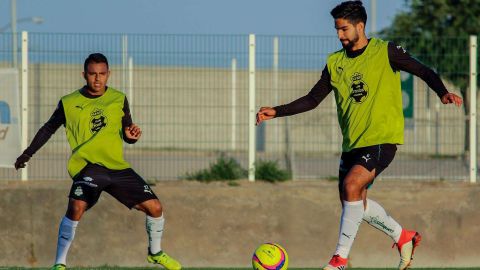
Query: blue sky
{"type": "Point", "coordinates": [270, 17]}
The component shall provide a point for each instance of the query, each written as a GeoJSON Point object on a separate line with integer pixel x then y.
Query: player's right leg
{"type": "Point", "coordinates": [66, 231]}
{"type": "Point", "coordinates": [351, 186]}
{"type": "Point", "coordinates": [84, 193]}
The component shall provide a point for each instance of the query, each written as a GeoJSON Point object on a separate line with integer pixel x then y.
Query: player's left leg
{"type": "Point", "coordinates": [376, 216]}
{"type": "Point", "coordinates": [154, 224]}
{"type": "Point", "coordinates": [132, 191]}
{"type": "Point", "coordinates": [405, 240]}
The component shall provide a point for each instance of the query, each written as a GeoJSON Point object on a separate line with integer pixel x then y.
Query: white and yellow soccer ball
{"type": "Point", "coordinates": [270, 256]}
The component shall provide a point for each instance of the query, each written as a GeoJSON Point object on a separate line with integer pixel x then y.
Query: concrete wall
{"type": "Point", "coordinates": [220, 225]}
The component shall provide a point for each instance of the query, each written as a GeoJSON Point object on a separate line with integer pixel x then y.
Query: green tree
{"type": "Point", "coordinates": [437, 33]}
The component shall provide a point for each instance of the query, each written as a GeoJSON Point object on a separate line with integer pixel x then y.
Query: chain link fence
{"type": "Point", "coordinates": [189, 94]}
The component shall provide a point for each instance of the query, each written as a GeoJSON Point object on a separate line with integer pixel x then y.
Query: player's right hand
{"type": "Point", "coordinates": [22, 161]}
{"type": "Point", "coordinates": [265, 113]}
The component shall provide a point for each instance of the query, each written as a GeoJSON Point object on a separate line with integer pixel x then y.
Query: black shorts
{"type": "Point", "coordinates": [376, 157]}
{"type": "Point", "coordinates": [126, 186]}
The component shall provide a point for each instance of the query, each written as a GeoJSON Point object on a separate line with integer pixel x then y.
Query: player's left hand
{"type": "Point", "coordinates": [133, 132]}
{"type": "Point", "coordinates": [452, 98]}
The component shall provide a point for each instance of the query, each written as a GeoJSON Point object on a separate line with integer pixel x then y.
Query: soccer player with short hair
{"type": "Point", "coordinates": [96, 120]}
{"type": "Point", "coordinates": [365, 79]}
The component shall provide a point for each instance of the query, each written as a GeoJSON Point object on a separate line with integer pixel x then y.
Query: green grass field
{"type": "Point", "coordinates": [138, 268]}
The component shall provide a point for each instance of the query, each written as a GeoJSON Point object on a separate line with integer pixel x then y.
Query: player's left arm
{"type": "Point", "coordinates": [400, 59]}
{"type": "Point", "coordinates": [131, 132]}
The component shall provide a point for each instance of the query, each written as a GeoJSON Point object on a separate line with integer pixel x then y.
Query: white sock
{"type": "Point", "coordinates": [351, 219]}
{"type": "Point", "coordinates": [66, 233]}
{"type": "Point", "coordinates": [155, 231]}
{"type": "Point", "coordinates": [376, 216]}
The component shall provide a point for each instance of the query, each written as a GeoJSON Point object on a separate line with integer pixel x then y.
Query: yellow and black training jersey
{"type": "Point", "coordinates": [94, 126]}
{"type": "Point", "coordinates": [367, 92]}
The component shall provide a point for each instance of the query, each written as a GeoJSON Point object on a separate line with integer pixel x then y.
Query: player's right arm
{"type": "Point", "coordinates": [308, 102]}
{"type": "Point", "coordinates": [43, 135]}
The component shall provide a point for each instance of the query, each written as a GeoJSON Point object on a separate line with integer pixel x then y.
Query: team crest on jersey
{"type": "Point", "coordinates": [97, 121]}
{"type": "Point", "coordinates": [359, 88]}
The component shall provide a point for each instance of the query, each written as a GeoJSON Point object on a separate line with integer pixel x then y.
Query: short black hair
{"type": "Point", "coordinates": [353, 11]}
{"type": "Point", "coordinates": [95, 58]}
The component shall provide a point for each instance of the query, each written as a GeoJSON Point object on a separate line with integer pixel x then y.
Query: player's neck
{"type": "Point", "coordinates": [88, 91]}
{"type": "Point", "coordinates": [360, 44]}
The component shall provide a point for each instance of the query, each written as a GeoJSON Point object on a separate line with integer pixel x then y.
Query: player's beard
{"type": "Point", "coordinates": [351, 42]}
{"type": "Point", "coordinates": [96, 88]}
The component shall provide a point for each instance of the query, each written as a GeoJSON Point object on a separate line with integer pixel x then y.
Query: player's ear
{"type": "Point", "coordinates": [361, 27]}
{"type": "Point", "coordinates": [84, 75]}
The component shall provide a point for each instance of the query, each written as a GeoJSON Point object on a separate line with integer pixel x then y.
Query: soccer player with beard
{"type": "Point", "coordinates": [97, 119]}
{"type": "Point", "coordinates": [365, 79]}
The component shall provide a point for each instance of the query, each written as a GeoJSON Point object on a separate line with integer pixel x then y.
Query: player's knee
{"type": "Point", "coordinates": [351, 187]}
{"type": "Point", "coordinates": [156, 208]}
{"type": "Point", "coordinates": [76, 209]}
{"type": "Point", "coordinates": [152, 208]}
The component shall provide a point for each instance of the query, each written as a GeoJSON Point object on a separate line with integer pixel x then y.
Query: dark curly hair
{"type": "Point", "coordinates": [353, 11]}
{"type": "Point", "coordinates": [95, 58]}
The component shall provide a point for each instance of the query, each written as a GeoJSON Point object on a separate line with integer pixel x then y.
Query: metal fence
{"type": "Point", "coordinates": [189, 94]}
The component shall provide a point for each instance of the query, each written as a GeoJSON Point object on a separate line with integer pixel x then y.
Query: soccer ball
{"type": "Point", "coordinates": [270, 256]}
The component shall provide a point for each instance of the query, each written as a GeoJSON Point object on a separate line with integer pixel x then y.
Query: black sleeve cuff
{"type": "Point", "coordinates": [129, 141]}
{"type": "Point", "coordinates": [279, 111]}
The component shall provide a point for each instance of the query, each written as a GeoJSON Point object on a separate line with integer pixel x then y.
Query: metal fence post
{"type": "Point", "coordinates": [130, 84]}
{"type": "Point", "coordinates": [473, 109]}
{"type": "Point", "coordinates": [234, 104]}
{"type": "Point", "coordinates": [124, 61]}
{"type": "Point", "coordinates": [24, 98]}
{"type": "Point", "coordinates": [251, 108]}
{"type": "Point", "coordinates": [275, 85]}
